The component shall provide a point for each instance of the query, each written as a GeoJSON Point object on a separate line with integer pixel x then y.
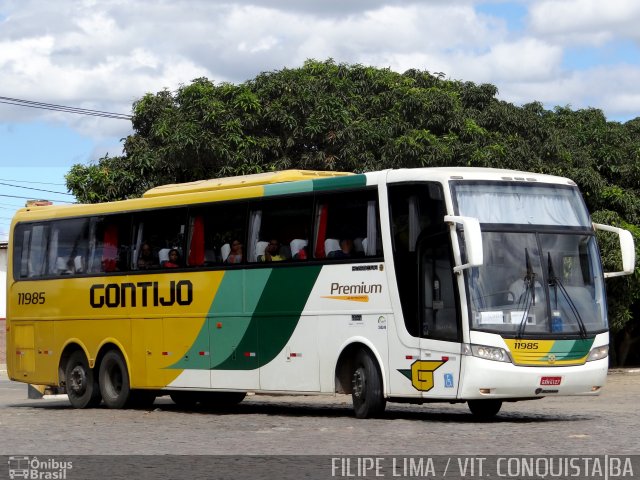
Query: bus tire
{"type": "Point", "coordinates": [81, 385]}
{"type": "Point", "coordinates": [114, 380]}
{"type": "Point", "coordinates": [484, 409]}
{"type": "Point", "coordinates": [366, 382]}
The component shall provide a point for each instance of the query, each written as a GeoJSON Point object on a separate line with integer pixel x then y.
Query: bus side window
{"type": "Point", "coordinates": [346, 225]}
{"type": "Point", "coordinates": [68, 245]}
{"type": "Point", "coordinates": [109, 244]}
{"type": "Point", "coordinates": [161, 230]}
{"type": "Point", "coordinates": [213, 230]}
{"type": "Point", "coordinates": [30, 246]}
{"type": "Point", "coordinates": [278, 229]}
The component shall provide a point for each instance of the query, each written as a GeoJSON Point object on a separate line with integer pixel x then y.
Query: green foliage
{"type": "Point", "coordinates": [331, 116]}
{"type": "Point", "coordinates": [622, 292]}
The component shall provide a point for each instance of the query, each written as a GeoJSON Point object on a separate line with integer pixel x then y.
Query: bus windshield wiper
{"type": "Point", "coordinates": [530, 293]}
{"type": "Point", "coordinates": [555, 282]}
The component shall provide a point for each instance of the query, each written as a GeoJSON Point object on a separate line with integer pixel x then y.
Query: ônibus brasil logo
{"type": "Point", "coordinates": [34, 468]}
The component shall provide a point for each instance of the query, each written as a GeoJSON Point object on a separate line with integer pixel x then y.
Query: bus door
{"type": "Point", "coordinates": [429, 356]}
{"type": "Point", "coordinates": [440, 332]}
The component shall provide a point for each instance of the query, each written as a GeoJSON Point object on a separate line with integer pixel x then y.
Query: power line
{"type": "Point", "coordinates": [28, 181]}
{"type": "Point", "coordinates": [37, 189]}
{"type": "Point", "coordinates": [31, 198]}
{"type": "Point", "coordinates": [62, 108]}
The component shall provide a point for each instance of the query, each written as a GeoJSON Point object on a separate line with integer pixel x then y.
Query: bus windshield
{"type": "Point", "coordinates": [533, 280]}
{"type": "Point", "coordinates": [537, 283]}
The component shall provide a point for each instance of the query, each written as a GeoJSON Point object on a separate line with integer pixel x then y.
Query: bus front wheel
{"type": "Point", "coordinates": [114, 380]}
{"type": "Point", "coordinates": [81, 385]}
{"type": "Point", "coordinates": [366, 387]}
{"type": "Point", "coordinates": [484, 409]}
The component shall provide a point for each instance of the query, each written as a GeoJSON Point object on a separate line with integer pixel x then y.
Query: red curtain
{"type": "Point", "coordinates": [196, 249]}
{"type": "Point", "coordinates": [322, 232]}
{"type": "Point", "coordinates": [110, 249]}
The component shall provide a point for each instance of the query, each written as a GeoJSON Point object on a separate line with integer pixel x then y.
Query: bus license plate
{"type": "Point", "coordinates": [550, 380]}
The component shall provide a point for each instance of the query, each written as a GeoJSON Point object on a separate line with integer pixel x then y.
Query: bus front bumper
{"type": "Point", "coordinates": [487, 379]}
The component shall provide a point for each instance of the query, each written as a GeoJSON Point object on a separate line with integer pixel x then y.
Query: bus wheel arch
{"type": "Point", "coordinates": [79, 379]}
{"type": "Point", "coordinates": [359, 372]}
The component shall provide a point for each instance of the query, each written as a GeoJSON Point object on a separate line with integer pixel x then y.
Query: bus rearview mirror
{"type": "Point", "coordinates": [627, 249]}
{"type": "Point", "coordinates": [472, 240]}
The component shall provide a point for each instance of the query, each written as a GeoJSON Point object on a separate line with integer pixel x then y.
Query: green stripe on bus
{"type": "Point", "coordinates": [339, 182]}
{"type": "Point", "coordinates": [232, 308]}
{"type": "Point", "coordinates": [570, 349]}
{"type": "Point", "coordinates": [251, 319]}
{"type": "Point", "coordinates": [288, 188]}
{"type": "Point", "coordinates": [275, 318]}
{"type": "Point", "coordinates": [579, 349]}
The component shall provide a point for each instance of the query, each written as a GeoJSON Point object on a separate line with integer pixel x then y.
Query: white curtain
{"type": "Point", "coordinates": [544, 208]}
{"type": "Point", "coordinates": [92, 246]}
{"type": "Point", "coordinates": [53, 252]}
{"type": "Point", "coordinates": [136, 251]}
{"type": "Point", "coordinates": [255, 220]}
{"type": "Point", "coordinates": [372, 234]}
{"type": "Point", "coordinates": [37, 251]}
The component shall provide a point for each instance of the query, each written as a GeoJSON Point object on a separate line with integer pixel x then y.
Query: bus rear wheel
{"type": "Point", "coordinates": [484, 409]}
{"type": "Point", "coordinates": [114, 380]}
{"type": "Point", "coordinates": [82, 388]}
{"type": "Point", "coordinates": [366, 387]}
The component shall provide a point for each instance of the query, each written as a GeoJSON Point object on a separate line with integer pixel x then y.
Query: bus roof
{"type": "Point", "coordinates": [240, 181]}
{"type": "Point", "coordinates": [280, 182]}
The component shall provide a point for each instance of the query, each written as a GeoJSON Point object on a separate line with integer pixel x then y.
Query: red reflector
{"type": "Point", "coordinates": [219, 324]}
{"type": "Point", "coordinates": [203, 354]}
{"type": "Point", "coordinates": [445, 359]}
{"type": "Point", "coordinates": [165, 353]}
{"type": "Point", "coordinates": [409, 357]}
{"type": "Point", "coordinates": [550, 380]}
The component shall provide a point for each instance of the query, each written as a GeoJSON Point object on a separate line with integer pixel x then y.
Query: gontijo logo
{"type": "Point", "coordinates": [421, 374]}
{"type": "Point", "coordinates": [114, 295]}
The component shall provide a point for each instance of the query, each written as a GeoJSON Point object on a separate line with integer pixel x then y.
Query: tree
{"type": "Point", "coordinates": [330, 116]}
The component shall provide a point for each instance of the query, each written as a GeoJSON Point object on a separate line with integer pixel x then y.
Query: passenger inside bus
{"type": "Point", "coordinates": [272, 252]}
{"type": "Point", "coordinates": [346, 249]}
{"type": "Point", "coordinates": [146, 260]}
{"type": "Point", "coordinates": [235, 254]}
{"type": "Point", "coordinates": [174, 259]}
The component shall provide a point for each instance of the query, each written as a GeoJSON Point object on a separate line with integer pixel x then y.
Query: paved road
{"type": "Point", "coordinates": [325, 425]}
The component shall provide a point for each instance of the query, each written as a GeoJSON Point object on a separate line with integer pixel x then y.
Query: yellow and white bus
{"type": "Point", "coordinates": [417, 285]}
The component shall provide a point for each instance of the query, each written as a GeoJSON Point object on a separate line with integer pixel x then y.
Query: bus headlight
{"type": "Point", "coordinates": [489, 353]}
{"type": "Point", "coordinates": [598, 353]}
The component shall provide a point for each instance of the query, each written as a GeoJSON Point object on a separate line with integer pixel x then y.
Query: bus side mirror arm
{"type": "Point", "coordinates": [627, 249]}
{"type": "Point", "coordinates": [472, 241]}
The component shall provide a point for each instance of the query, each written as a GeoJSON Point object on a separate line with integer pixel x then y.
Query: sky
{"type": "Point", "coordinates": [105, 54]}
